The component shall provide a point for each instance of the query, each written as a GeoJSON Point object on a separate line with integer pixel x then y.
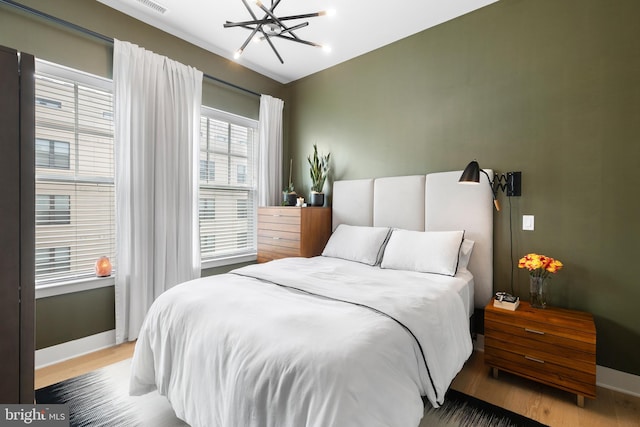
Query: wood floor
{"type": "Point", "coordinates": [81, 365]}
{"type": "Point", "coordinates": [545, 404]}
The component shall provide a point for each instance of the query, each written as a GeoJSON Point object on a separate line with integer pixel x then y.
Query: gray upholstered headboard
{"type": "Point", "coordinates": [435, 202]}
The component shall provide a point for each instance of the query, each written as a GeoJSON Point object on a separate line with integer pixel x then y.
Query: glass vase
{"type": "Point", "coordinates": [538, 291]}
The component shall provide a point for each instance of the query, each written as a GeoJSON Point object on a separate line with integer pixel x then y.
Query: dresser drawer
{"type": "Point", "coordinates": [269, 253]}
{"type": "Point", "coordinates": [278, 226]}
{"type": "Point", "coordinates": [279, 215]}
{"type": "Point", "coordinates": [278, 242]}
{"type": "Point", "coordinates": [274, 234]}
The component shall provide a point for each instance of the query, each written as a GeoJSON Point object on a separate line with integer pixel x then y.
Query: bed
{"type": "Point", "coordinates": [353, 337]}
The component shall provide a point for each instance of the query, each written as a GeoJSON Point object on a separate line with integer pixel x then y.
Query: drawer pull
{"type": "Point", "coordinates": [533, 359]}
{"type": "Point", "coordinates": [276, 215]}
{"type": "Point", "coordinates": [276, 238]}
{"type": "Point", "coordinates": [533, 331]}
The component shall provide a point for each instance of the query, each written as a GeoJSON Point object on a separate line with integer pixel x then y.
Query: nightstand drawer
{"type": "Point", "coordinates": [536, 336]}
{"type": "Point", "coordinates": [549, 326]}
{"type": "Point", "coordinates": [577, 360]}
{"type": "Point", "coordinates": [578, 382]}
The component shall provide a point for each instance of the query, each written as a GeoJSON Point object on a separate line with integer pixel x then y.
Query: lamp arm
{"type": "Point", "coordinates": [493, 189]}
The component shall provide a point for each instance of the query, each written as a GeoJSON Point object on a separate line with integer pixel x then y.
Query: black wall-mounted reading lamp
{"type": "Point", "coordinates": [510, 182]}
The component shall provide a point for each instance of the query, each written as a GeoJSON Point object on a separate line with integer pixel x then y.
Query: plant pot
{"type": "Point", "coordinates": [289, 199]}
{"type": "Point", "coordinates": [316, 199]}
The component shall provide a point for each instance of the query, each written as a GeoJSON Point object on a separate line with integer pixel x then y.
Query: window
{"type": "Point", "coordinates": [207, 170]}
{"type": "Point", "coordinates": [208, 243]}
{"type": "Point", "coordinates": [52, 154]}
{"type": "Point", "coordinates": [228, 162]}
{"type": "Point", "coordinates": [207, 209]}
{"type": "Point", "coordinates": [51, 103]}
{"type": "Point", "coordinates": [53, 209]}
{"type": "Point", "coordinates": [75, 202]}
{"type": "Point", "coordinates": [241, 239]}
{"type": "Point", "coordinates": [53, 260]}
{"type": "Point", "coordinates": [241, 174]}
{"type": "Point", "coordinates": [241, 208]}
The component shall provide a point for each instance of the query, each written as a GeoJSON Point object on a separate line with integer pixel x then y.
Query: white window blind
{"type": "Point", "coordinates": [228, 198]}
{"type": "Point", "coordinates": [75, 203]}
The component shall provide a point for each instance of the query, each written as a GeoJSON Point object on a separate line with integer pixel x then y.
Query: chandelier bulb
{"type": "Point", "coordinates": [328, 12]}
{"type": "Point", "coordinates": [237, 54]}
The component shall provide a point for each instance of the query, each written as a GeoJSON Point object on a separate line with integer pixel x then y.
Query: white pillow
{"type": "Point", "coordinates": [357, 243]}
{"type": "Point", "coordinates": [423, 251]}
{"type": "Point", "coordinates": [465, 253]}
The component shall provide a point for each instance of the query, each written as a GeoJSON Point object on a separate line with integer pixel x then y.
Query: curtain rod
{"type": "Point", "coordinates": [104, 38]}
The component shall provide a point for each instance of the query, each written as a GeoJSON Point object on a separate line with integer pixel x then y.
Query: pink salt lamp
{"type": "Point", "coordinates": [103, 267]}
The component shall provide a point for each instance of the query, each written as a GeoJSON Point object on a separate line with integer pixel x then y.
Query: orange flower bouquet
{"type": "Point", "coordinates": [540, 267]}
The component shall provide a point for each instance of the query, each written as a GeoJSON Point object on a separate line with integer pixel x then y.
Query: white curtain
{"type": "Point", "coordinates": [157, 118]}
{"type": "Point", "coordinates": [270, 166]}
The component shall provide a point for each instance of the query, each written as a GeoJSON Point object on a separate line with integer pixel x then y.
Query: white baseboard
{"type": "Point", "coordinates": [605, 377]}
{"type": "Point", "coordinates": [68, 350]}
{"type": "Point", "coordinates": [618, 381]}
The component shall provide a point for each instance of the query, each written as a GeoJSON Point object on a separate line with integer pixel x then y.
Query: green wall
{"type": "Point", "coordinates": [71, 316]}
{"type": "Point", "coordinates": [550, 88]}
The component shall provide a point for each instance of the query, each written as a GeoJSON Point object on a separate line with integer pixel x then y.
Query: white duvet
{"type": "Point", "coordinates": [239, 350]}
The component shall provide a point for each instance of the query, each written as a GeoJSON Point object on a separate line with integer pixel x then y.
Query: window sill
{"type": "Point", "coordinates": [54, 289]}
{"type": "Point", "coordinates": [230, 260]}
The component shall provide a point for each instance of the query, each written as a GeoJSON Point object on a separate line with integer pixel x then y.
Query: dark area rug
{"type": "Point", "coordinates": [100, 398]}
{"type": "Point", "coordinates": [460, 409]}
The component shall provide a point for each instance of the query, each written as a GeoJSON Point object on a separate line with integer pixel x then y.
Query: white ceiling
{"type": "Point", "coordinates": [358, 27]}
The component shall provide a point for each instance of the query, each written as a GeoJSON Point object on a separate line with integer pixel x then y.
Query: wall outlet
{"type": "Point", "coordinates": [527, 222]}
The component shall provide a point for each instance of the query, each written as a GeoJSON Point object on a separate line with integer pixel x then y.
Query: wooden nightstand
{"type": "Point", "coordinates": [553, 346]}
{"type": "Point", "coordinates": [292, 231]}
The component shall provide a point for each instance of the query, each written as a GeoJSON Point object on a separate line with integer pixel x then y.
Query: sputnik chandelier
{"type": "Point", "coordinates": [272, 26]}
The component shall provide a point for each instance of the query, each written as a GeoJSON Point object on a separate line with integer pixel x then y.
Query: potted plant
{"type": "Point", "coordinates": [319, 169]}
{"type": "Point", "coordinates": [289, 196]}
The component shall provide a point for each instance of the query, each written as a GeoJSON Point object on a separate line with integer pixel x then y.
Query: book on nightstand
{"type": "Point", "coordinates": [506, 301]}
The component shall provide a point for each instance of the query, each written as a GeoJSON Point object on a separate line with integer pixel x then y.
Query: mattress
{"type": "Point", "coordinates": [465, 288]}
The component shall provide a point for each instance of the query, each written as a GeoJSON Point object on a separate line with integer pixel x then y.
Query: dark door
{"type": "Point", "coordinates": [17, 225]}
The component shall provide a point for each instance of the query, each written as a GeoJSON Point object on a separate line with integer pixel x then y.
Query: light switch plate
{"type": "Point", "coordinates": [527, 222]}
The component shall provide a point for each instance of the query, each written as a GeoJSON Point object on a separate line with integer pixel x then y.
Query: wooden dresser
{"type": "Point", "coordinates": [292, 231]}
{"type": "Point", "coordinates": [553, 346]}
